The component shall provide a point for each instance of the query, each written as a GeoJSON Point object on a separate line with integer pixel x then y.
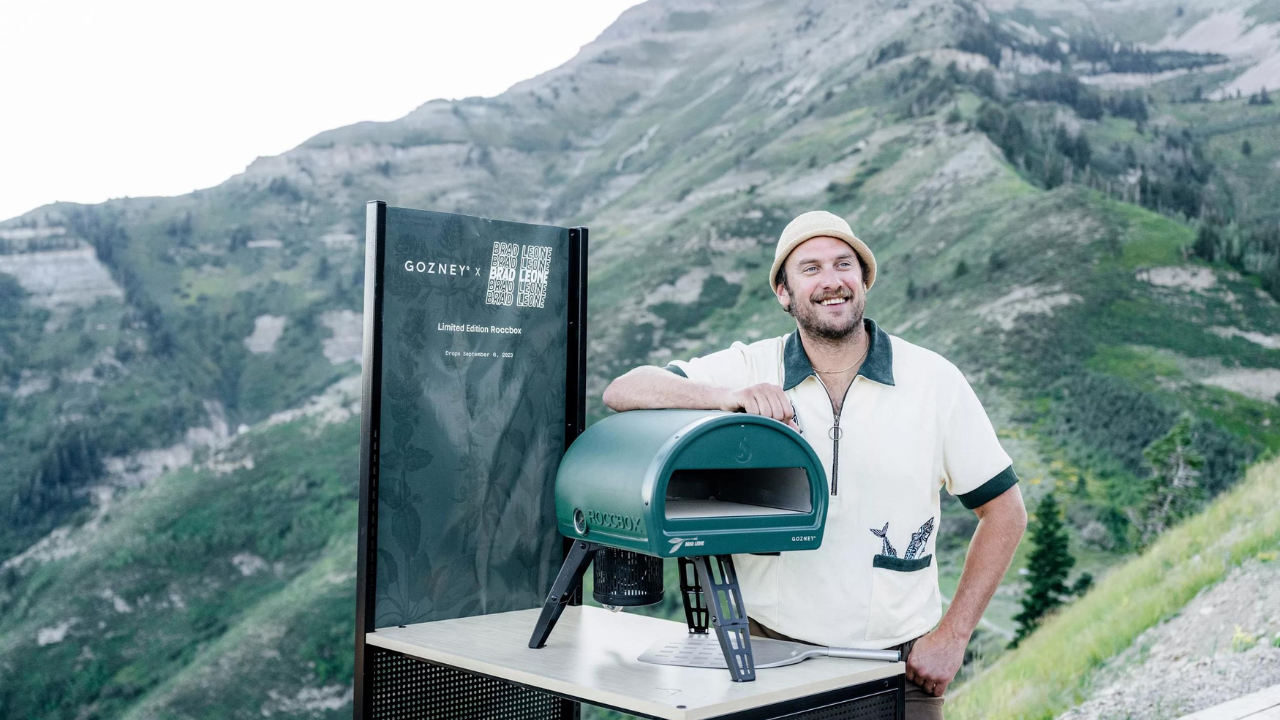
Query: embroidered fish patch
{"type": "Point", "coordinates": [919, 539]}
{"type": "Point", "coordinates": [886, 548]}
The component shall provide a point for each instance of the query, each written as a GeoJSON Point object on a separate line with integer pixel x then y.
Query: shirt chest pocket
{"type": "Point", "coordinates": [901, 587]}
{"type": "Point", "coordinates": [900, 590]}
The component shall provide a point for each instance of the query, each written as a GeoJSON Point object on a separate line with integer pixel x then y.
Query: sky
{"type": "Point", "coordinates": [133, 98]}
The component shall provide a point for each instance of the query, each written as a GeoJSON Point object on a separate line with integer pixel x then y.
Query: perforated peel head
{"type": "Point", "coordinates": [690, 651]}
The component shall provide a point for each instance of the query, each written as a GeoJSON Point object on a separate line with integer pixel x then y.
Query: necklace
{"type": "Point", "coordinates": [855, 362]}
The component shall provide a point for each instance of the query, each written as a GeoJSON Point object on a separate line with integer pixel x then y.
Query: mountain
{"type": "Point", "coordinates": [1076, 203]}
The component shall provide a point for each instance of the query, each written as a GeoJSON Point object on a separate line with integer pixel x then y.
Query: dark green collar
{"type": "Point", "coordinates": [878, 366]}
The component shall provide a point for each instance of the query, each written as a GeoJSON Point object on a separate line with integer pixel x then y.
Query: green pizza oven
{"type": "Point", "coordinates": [683, 483]}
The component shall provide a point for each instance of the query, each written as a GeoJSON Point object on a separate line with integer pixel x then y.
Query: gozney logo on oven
{"type": "Point", "coordinates": [614, 520]}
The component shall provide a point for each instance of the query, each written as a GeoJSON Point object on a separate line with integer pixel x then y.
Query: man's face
{"type": "Point", "coordinates": [824, 290]}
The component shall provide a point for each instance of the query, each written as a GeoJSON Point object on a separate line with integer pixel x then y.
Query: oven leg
{"type": "Point", "coordinates": [728, 614]}
{"type": "Point", "coordinates": [695, 603]}
{"type": "Point", "coordinates": [562, 590]}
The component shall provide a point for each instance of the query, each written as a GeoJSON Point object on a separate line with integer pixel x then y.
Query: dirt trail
{"type": "Point", "coordinates": [1223, 645]}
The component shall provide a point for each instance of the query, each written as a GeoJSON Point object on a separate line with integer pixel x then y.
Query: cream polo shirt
{"type": "Point", "coordinates": [910, 425]}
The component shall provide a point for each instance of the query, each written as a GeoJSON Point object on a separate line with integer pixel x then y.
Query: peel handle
{"type": "Point", "coordinates": [852, 654]}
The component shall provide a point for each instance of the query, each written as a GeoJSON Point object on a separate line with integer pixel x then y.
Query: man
{"type": "Point", "coordinates": [894, 424]}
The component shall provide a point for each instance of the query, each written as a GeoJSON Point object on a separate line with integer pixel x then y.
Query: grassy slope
{"type": "Point", "coordinates": [141, 402]}
{"type": "Point", "coordinates": [161, 614]}
{"type": "Point", "coordinates": [1052, 670]}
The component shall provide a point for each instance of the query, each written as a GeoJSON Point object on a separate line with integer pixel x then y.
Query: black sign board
{"type": "Point", "coordinates": [474, 378]}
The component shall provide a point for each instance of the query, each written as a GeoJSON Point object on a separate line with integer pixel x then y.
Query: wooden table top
{"type": "Point", "coordinates": [591, 655]}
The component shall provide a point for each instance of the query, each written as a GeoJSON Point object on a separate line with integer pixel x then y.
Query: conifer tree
{"type": "Point", "coordinates": [1049, 564]}
{"type": "Point", "coordinates": [1207, 242]}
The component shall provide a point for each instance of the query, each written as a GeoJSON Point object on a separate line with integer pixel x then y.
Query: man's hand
{"type": "Point", "coordinates": [935, 659]}
{"type": "Point", "coordinates": [764, 399]}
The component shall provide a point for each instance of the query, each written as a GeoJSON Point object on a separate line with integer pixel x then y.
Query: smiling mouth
{"type": "Point", "coordinates": [834, 301]}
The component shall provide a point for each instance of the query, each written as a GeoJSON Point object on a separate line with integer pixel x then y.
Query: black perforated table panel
{"type": "Point", "coordinates": [876, 707]}
{"type": "Point", "coordinates": [881, 706]}
{"type": "Point", "coordinates": [404, 688]}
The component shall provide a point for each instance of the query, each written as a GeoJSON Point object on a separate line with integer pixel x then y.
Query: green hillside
{"type": "Point", "coordinates": [1056, 666]}
{"type": "Point", "coordinates": [201, 582]}
{"type": "Point", "coordinates": [1071, 218]}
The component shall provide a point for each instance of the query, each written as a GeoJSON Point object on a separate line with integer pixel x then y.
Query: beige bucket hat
{"type": "Point", "coordinates": [819, 223]}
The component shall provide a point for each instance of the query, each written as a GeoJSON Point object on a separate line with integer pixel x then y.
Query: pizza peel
{"type": "Point", "coordinates": [703, 651]}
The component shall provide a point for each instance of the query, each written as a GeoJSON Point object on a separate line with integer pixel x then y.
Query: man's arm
{"type": "Point", "coordinates": [936, 658]}
{"type": "Point", "coordinates": [650, 388]}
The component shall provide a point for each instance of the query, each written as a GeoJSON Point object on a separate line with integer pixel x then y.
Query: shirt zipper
{"type": "Point", "coordinates": [836, 432]}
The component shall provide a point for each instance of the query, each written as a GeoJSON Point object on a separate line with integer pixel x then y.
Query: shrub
{"type": "Point", "coordinates": [1173, 489]}
{"type": "Point", "coordinates": [1065, 89]}
{"type": "Point", "coordinates": [1129, 105]}
{"type": "Point", "coordinates": [895, 49]}
{"type": "Point", "coordinates": [984, 41]}
{"type": "Point", "coordinates": [282, 188]}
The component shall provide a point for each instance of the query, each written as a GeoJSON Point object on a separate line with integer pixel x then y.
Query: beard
{"type": "Point", "coordinates": [809, 316]}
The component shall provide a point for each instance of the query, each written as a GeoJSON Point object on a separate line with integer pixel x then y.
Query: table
{"type": "Point", "coordinates": [591, 657]}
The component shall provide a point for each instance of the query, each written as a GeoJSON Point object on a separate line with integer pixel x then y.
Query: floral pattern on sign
{"type": "Point", "coordinates": [471, 438]}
